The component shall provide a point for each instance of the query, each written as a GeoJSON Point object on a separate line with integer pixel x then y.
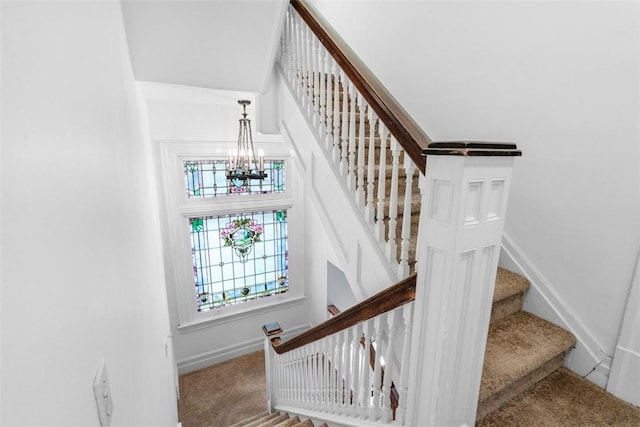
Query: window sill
{"type": "Point", "coordinates": [234, 313]}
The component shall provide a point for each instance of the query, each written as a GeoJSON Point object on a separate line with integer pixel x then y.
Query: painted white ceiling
{"type": "Point", "coordinates": [219, 44]}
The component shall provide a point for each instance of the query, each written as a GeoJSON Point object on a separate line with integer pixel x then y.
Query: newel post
{"type": "Point", "coordinates": [461, 224]}
{"type": "Point", "coordinates": [272, 331]}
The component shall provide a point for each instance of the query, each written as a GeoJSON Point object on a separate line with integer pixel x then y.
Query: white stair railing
{"type": "Point", "coordinates": [355, 139]}
{"type": "Point", "coordinates": [359, 373]}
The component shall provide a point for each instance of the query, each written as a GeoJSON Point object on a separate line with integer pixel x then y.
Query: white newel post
{"type": "Point", "coordinates": [462, 220]}
{"type": "Point", "coordinates": [271, 331]}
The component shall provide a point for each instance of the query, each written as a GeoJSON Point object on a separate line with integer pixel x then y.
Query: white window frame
{"type": "Point", "coordinates": [179, 208]}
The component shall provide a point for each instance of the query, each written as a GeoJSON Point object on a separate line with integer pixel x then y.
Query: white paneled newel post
{"type": "Point", "coordinates": [462, 221]}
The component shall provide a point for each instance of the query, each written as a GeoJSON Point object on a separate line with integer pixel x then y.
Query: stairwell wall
{"type": "Point", "coordinates": [82, 268]}
{"type": "Point", "coordinates": [561, 80]}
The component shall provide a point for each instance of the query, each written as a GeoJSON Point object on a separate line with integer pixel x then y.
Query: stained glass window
{"type": "Point", "coordinates": [238, 258]}
{"type": "Point", "coordinates": [208, 178]}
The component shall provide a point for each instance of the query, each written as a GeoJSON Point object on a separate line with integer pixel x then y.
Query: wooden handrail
{"type": "Point", "coordinates": [406, 131]}
{"type": "Point", "coordinates": [386, 300]}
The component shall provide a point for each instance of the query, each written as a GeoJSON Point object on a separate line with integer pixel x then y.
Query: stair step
{"type": "Point", "coordinates": [563, 399]}
{"type": "Point", "coordinates": [289, 422]}
{"type": "Point", "coordinates": [521, 350]}
{"type": "Point", "coordinates": [250, 420]}
{"type": "Point", "coordinates": [262, 420]}
{"type": "Point", "coordinates": [508, 295]}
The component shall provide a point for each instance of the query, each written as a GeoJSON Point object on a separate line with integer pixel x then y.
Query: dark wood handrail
{"type": "Point", "coordinates": [406, 131]}
{"type": "Point", "coordinates": [386, 300]}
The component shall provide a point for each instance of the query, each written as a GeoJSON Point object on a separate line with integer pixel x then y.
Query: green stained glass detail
{"type": "Point", "coordinates": [281, 216]}
{"type": "Point", "coordinates": [196, 224]}
{"type": "Point", "coordinates": [207, 178]}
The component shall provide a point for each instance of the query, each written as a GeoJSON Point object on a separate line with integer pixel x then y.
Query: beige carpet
{"type": "Point", "coordinates": [564, 400]}
{"type": "Point", "coordinates": [222, 394]}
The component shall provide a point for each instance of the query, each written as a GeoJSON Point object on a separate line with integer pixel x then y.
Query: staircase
{"type": "Point", "coordinates": [276, 419]}
{"type": "Point", "coordinates": [383, 173]}
{"type": "Point", "coordinates": [522, 348]}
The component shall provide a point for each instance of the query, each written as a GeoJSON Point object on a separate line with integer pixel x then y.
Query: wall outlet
{"type": "Point", "coordinates": [102, 393]}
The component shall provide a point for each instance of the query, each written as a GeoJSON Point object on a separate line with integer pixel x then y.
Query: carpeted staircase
{"type": "Point", "coordinates": [522, 348]}
{"type": "Point", "coordinates": [276, 419]}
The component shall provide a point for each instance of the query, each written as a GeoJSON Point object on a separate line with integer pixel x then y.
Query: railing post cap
{"type": "Point", "coordinates": [472, 148]}
{"type": "Point", "coordinates": [271, 328]}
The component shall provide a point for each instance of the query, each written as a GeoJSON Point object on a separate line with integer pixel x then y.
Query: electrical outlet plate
{"type": "Point", "coordinates": [102, 393]}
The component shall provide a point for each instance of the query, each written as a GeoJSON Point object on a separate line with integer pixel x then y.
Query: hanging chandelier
{"type": "Point", "coordinates": [243, 162]}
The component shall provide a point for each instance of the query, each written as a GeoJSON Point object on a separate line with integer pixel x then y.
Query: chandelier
{"type": "Point", "coordinates": [243, 162]}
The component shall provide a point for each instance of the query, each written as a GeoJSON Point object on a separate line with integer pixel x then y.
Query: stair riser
{"type": "Point", "coordinates": [500, 398]}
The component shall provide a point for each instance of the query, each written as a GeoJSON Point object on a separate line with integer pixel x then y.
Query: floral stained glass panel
{"type": "Point", "coordinates": [208, 178]}
{"type": "Point", "coordinates": [239, 258]}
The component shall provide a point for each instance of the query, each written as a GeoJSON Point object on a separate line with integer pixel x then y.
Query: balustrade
{"type": "Point", "coordinates": [365, 151]}
{"type": "Point", "coordinates": [356, 366]}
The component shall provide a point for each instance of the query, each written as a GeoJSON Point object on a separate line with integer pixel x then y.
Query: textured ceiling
{"type": "Point", "coordinates": [220, 44]}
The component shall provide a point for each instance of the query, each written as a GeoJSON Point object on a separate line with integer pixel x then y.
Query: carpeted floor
{"type": "Point", "coordinates": [223, 394]}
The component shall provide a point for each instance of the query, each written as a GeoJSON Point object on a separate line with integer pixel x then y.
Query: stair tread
{"type": "Point", "coordinates": [263, 420]}
{"type": "Point", "coordinates": [564, 399]}
{"type": "Point", "coordinates": [508, 284]}
{"type": "Point", "coordinates": [251, 419]}
{"type": "Point", "coordinates": [517, 345]}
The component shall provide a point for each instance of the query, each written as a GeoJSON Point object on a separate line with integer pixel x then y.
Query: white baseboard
{"type": "Point", "coordinates": [588, 358]}
{"type": "Point", "coordinates": [213, 357]}
{"type": "Point", "coordinates": [625, 376]}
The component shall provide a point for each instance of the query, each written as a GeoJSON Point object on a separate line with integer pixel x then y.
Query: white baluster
{"type": "Point", "coordinates": [377, 371]}
{"type": "Point", "coordinates": [360, 193]}
{"type": "Point", "coordinates": [337, 354]}
{"type": "Point", "coordinates": [382, 180]}
{"type": "Point", "coordinates": [346, 346]}
{"type": "Point", "coordinates": [405, 242]}
{"type": "Point", "coordinates": [369, 211]}
{"type": "Point", "coordinates": [322, 91]}
{"type": "Point", "coordinates": [329, 104]}
{"type": "Point", "coordinates": [344, 126]}
{"type": "Point", "coordinates": [300, 63]}
{"type": "Point", "coordinates": [389, 357]}
{"type": "Point", "coordinates": [403, 383]}
{"type": "Point", "coordinates": [315, 81]}
{"type": "Point", "coordinates": [392, 247]}
{"type": "Point", "coordinates": [336, 114]}
{"type": "Point", "coordinates": [351, 171]}
{"type": "Point", "coordinates": [354, 377]}
{"type": "Point", "coordinates": [365, 371]}
{"type": "Point", "coordinates": [309, 64]}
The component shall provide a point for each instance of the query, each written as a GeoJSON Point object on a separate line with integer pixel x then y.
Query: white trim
{"type": "Point", "coordinates": [588, 358]}
{"type": "Point", "coordinates": [213, 357]}
{"type": "Point", "coordinates": [178, 208]}
{"type": "Point", "coordinates": [625, 370]}
{"type": "Point", "coordinates": [223, 315]}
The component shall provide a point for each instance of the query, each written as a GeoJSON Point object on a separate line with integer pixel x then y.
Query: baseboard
{"type": "Point", "coordinates": [625, 376]}
{"type": "Point", "coordinates": [213, 357]}
{"type": "Point", "coordinates": [588, 358]}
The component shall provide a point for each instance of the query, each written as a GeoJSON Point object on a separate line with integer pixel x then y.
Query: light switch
{"type": "Point", "coordinates": [102, 392]}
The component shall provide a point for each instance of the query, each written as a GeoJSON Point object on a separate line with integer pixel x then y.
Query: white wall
{"type": "Point", "coordinates": [561, 80]}
{"type": "Point", "coordinates": [82, 268]}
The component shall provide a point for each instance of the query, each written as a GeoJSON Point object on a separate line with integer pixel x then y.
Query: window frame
{"type": "Point", "coordinates": [179, 208]}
